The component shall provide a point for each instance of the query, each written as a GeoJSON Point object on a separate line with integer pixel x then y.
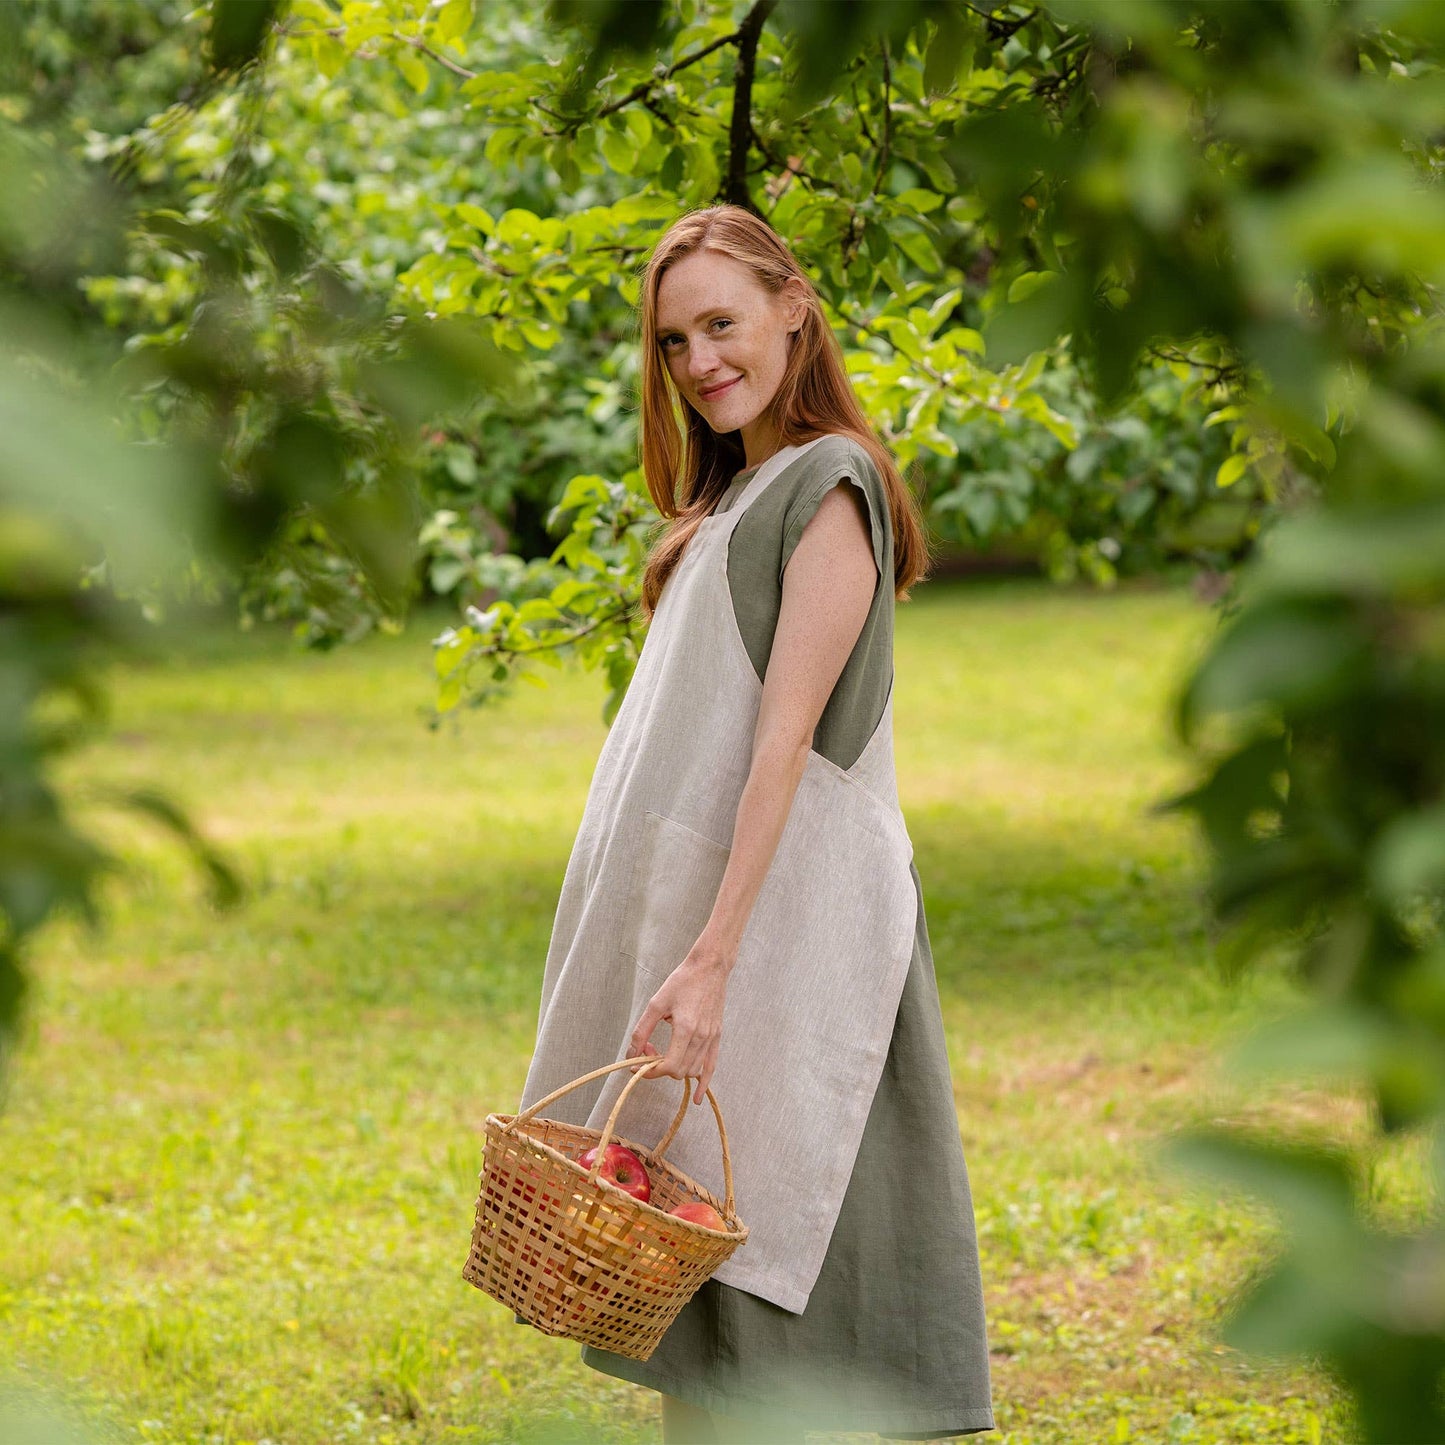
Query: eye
{"type": "Point", "coordinates": [666, 341]}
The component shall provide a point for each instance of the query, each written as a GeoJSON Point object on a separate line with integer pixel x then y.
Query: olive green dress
{"type": "Point", "coordinates": [893, 1338]}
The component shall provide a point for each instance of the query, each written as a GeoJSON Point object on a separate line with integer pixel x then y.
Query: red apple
{"type": "Point", "coordinates": [526, 1192]}
{"type": "Point", "coordinates": [699, 1212]}
{"type": "Point", "coordinates": [620, 1166]}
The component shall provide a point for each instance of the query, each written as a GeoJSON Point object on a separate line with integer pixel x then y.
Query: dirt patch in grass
{"type": "Point", "coordinates": [1062, 1332]}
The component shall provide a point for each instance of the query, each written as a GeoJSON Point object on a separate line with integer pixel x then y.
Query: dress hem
{"type": "Point", "coordinates": [908, 1423]}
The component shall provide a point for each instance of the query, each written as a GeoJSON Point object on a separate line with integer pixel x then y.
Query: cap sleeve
{"type": "Point", "coordinates": [851, 464]}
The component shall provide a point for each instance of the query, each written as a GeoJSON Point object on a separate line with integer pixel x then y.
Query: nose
{"type": "Point", "coordinates": [701, 360]}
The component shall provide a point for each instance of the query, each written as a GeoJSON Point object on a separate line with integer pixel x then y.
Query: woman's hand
{"type": "Point", "coordinates": [691, 1000]}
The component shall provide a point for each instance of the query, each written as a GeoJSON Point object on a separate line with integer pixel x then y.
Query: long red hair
{"type": "Point", "coordinates": [688, 466]}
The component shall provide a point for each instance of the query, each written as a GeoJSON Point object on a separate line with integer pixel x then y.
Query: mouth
{"type": "Point", "coordinates": [717, 391]}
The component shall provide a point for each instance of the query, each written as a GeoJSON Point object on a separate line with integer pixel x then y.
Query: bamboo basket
{"type": "Point", "coordinates": [579, 1257]}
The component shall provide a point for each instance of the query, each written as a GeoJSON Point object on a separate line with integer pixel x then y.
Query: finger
{"type": "Point", "coordinates": [638, 1044]}
{"type": "Point", "coordinates": [640, 1035]}
{"type": "Point", "coordinates": [700, 1067]}
{"type": "Point", "coordinates": [694, 1055]}
{"type": "Point", "coordinates": [677, 1059]}
{"type": "Point", "coordinates": [699, 1058]}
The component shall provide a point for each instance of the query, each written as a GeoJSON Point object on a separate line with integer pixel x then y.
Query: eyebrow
{"type": "Point", "coordinates": [701, 315]}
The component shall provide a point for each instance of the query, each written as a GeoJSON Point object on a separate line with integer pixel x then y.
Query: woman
{"type": "Point", "coordinates": [743, 879]}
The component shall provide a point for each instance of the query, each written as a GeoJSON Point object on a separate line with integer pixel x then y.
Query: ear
{"type": "Point", "coordinates": [796, 295]}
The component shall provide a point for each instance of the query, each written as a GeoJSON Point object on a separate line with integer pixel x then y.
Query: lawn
{"type": "Point", "coordinates": [241, 1150]}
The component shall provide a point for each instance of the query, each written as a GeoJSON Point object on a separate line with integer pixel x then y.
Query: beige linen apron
{"type": "Point", "coordinates": [820, 969]}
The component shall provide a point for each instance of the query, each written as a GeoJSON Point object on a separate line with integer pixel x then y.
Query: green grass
{"type": "Point", "coordinates": [241, 1151]}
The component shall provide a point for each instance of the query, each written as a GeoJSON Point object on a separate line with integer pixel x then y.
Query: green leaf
{"type": "Point", "coordinates": [950, 52]}
{"type": "Point", "coordinates": [452, 649]}
{"type": "Point", "coordinates": [919, 249]}
{"type": "Point", "coordinates": [1334, 1039]}
{"type": "Point", "coordinates": [224, 882]}
{"type": "Point", "coordinates": [1296, 653]}
{"type": "Point", "coordinates": [238, 31]}
{"type": "Point", "coordinates": [573, 590]}
{"type": "Point", "coordinates": [1377, 551]}
{"type": "Point", "coordinates": [329, 55]}
{"type": "Point", "coordinates": [446, 572]}
{"type": "Point", "coordinates": [1312, 1187]}
{"type": "Point", "coordinates": [475, 216]}
{"type": "Point", "coordinates": [1409, 856]}
{"type": "Point", "coordinates": [1060, 426]}
{"type": "Point", "coordinates": [543, 337]}
{"type": "Point", "coordinates": [917, 199]}
{"type": "Point", "coordinates": [1231, 469]}
{"type": "Point", "coordinates": [964, 338]}
{"type": "Point", "coordinates": [413, 67]}
{"type": "Point", "coordinates": [1024, 286]}
{"type": "Point", "coordinates": [638, 125]}
{"type": "Point", "coordinates": [618, 149]}
{"type": "Point", "coordinates": [500, 144]}
{"type": "Point", "coordinates": [1031, 370]}
{"type": "Point", "coordinates": [582, 488]}
{"type": "Point", "coordinates": [454, 21]}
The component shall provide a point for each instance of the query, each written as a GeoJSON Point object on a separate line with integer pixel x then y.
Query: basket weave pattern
{"type": "Point", "coordinates": [577, 1256]}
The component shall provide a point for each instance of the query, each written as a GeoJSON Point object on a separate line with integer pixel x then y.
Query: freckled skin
{"type": "Point", "coordinates": [716, 323]}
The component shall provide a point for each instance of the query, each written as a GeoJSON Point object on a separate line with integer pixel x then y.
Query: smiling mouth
{"type": "Point", "coordinates": [718, 391]}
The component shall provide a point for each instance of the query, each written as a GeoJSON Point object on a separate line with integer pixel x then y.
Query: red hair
{"type": "Point", "coordinates": [692, 462]}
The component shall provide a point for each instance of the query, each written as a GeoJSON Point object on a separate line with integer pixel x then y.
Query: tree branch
{"type": "Point", "coordinates": [1005, 30]}
{"type": "Point", "coordinates": [644, 88]}
{"type": "Point", "coordinates": [858, 111]}
{"type": "Point", "coordinates": [886, 148]}
{"type": "Point", "coordinates": [790, 165]}
{"type": "Point", "coordinates": [495, 651]}
{"type": "Point", "coordinates": [338, 32]}
{"type": "Point", "coordinates": [1217, 373]}
{"type": "Point", "coordinates": [436, 55]}
{"type": "Point", "coordinates": [740, 131]}
{"type": "Point", "coordinates": [941, 378]}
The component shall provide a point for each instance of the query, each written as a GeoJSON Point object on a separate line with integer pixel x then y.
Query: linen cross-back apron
{"type": "Point", "coordinates": [820, 968]}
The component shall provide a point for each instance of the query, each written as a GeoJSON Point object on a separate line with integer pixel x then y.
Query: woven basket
{"type": "Point", "coordinates": [579, 1257]}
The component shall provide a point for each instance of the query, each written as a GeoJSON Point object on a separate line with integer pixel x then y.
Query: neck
{"type": "Point", "coordinates": [760, 440]}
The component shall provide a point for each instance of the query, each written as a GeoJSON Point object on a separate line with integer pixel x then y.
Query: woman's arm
{"type": "Point", "coordinates": [828, 588]}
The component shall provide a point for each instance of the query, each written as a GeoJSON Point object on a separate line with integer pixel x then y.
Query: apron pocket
{"type": "Point", "coordinates": [675, 882]}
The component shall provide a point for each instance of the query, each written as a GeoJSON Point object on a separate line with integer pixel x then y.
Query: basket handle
{"type": "Point", "coordinates": [649, 1061]}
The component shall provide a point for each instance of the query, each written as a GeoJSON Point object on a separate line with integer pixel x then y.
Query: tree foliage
{"type": "Point", "coordinates": [1259, 184]}
{"type": "Point", "coordinates": [487, 184]}
{"type": "Point", "coordinates": [336, 296]}
{"type": "Point", "coordinates": [280, 412]}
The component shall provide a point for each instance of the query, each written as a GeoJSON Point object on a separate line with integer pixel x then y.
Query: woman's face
{"type": "Point", "coordinates": [724, 340]}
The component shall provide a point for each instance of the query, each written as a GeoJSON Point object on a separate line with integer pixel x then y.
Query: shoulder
{"type": "Point", "coordinates": [830, 460]}
{"type": "Point", "coordinates": [829, 455]}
